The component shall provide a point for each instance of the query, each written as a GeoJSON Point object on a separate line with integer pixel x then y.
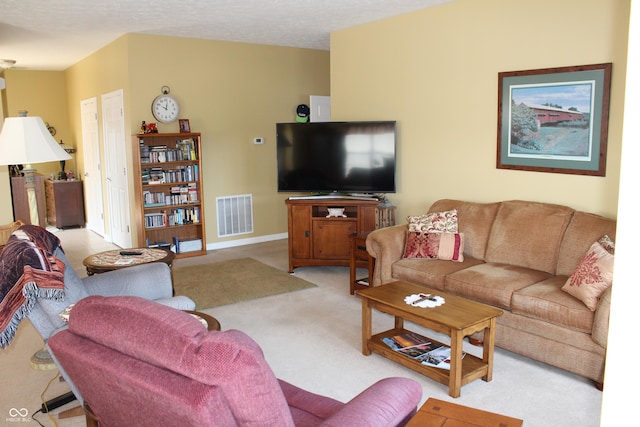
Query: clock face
{"type": "Point", "coordinates": [165, 108]}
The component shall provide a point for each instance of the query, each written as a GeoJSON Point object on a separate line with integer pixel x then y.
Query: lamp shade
{"type": "Point", "coordinates": [26, 140]}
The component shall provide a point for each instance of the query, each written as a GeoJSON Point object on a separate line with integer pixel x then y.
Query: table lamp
{"type": "Point", "coordinates": [70, 150]}
{"type": "Point", "coordinates": [26, 140]}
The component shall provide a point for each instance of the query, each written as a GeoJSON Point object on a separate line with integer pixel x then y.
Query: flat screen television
{"type": "Point", "coordinates": [337, 157]}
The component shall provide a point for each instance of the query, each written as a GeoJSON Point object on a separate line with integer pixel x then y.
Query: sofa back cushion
{"type": "Point", "coordinates": [474, 220]}
{"type": "Point", "coordinates": [583, 230]}
{"type": "Point", "coordinates": [528, 234]}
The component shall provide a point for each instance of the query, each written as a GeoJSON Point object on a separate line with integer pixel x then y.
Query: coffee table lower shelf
{"type": "Point", "coordinates": [472, 366]}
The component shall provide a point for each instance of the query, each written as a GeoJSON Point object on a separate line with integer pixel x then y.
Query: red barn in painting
{"type": "Point", "coordinates": [545, 114]}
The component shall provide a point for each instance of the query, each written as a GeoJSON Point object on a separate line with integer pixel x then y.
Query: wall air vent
{"type": "Point", "coordinates": [235, 215]}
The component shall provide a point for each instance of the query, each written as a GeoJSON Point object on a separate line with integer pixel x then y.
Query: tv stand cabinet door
{"type": "Point", "coordinates": [300, 231]}
{"type": "Point", "coordinates": [331, 239]}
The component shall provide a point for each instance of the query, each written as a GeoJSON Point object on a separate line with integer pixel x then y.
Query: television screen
{"type": "Point", "coordinates": [342, 157]}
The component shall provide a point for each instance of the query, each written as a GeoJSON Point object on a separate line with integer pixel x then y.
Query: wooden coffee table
{"type": "Point", "coordinates": [446, 414]}
{"type": "Point", "coordinates": [457, 318]}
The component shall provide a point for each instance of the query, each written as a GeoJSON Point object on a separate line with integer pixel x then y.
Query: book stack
{"type": "Point", "coordinates": [144, 152]}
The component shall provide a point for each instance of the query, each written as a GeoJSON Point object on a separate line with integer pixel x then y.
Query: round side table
{"type": "Point", "coordinates": [112, 260]}
{"type": "Point", "coordinates": [212, 322]}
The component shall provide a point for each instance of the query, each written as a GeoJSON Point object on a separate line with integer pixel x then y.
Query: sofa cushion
{"type": "Point", "coordinates": [592, 277]}
{"type": "Point", "coordinates": [435, 222]}
{"type": "Point", "coordinates": [584, 229]}
{"type": "Point", "coordinates": [474, 220]}
{"type": "Point", "coordinates": [600, 332]}
{"type": "Point", "coordinates": [492, 283]}
{"type": "Point", "coordinates": [445, 246]}
{"type": "Point", "coordinates": [546, 301]}
{"type": "Point", "coordinates": [528, 234]}
{"type": "Point", "coordinates": [428, 272]}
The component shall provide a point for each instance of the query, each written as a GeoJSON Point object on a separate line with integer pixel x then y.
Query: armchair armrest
{"type": "Point", "coordinates": [150, 281]}
{"type": "Point", "coordinates": [386, 245]}
{"type": "Point", "coordinates": [600, 329]}
{"type": "Point", "coordinates": [389, 402]}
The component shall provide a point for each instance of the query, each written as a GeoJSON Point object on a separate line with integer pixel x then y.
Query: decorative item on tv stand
{"type": "Point", "coordinates": [169, 193]}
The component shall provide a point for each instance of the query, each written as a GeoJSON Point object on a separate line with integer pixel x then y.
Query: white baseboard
{"type": "Point", "coordinates": [249, 241]}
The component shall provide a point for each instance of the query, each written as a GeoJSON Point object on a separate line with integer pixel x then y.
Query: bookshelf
{"type": "Point", "coordinates": [168, 192]}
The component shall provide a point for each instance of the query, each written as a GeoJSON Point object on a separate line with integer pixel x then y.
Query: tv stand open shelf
{"type": "Point", "coordinates": [316, 240]}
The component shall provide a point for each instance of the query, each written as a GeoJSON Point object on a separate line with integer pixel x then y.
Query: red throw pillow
{"type": "Point", "coordinates": [445, 246]}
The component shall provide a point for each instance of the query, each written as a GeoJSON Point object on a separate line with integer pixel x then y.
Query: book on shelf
{"type": "Point", "coordinates": [421, 349]}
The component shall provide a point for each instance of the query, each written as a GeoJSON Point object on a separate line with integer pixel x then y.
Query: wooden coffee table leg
{"type": "Point", "coordinates": [366, 326]}
{"type": "Point", "coordinates": [455, 374]}
{"type": "Point", "coordinates": [488, 345]}
{"type": "Point", "coordinates": [399, 322]}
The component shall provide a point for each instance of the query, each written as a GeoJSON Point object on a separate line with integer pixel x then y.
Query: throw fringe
{"type": "Point", "coordinates": [31, 292]}
{"type": "Point", "coordinates": [9, 332]}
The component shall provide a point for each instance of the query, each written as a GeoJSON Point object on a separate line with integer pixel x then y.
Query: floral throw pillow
{"type": "Point", "coordinates": [435, 222]}
{"type": "Point", "coordinates": [608, 244]}
{"type": "Point", "coordinates": [445, 246]}
{"type": "Point", "coordinates": [592, 277]}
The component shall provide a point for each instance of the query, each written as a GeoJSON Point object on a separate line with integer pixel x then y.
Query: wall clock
{"type": "Point", "coordinates": [164, 107]}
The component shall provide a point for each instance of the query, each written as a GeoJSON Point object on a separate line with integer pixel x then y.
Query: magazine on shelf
{"type": "Point", "coordinates": [421, 349]}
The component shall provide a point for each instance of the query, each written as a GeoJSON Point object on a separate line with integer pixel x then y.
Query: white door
{"type": "Point", "coordinates": [115, 147]}
{"type": "Point", "coordinates": [94, 205]}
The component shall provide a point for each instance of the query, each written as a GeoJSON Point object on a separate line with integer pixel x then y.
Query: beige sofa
{"type": "Point", "coordinates": [517, 256]}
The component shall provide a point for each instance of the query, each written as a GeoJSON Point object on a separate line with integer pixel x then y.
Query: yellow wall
{"type": "Point", "coordinates": [436, 72]}
{"type": "Point", "coordinates": [105, 71]}
{"type": "Point", "coordinates": [230, 92]}
{"type": "Point", "coordinates": [43, 94]}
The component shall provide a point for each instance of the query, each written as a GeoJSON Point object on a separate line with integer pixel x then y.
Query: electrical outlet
{"type": "Point", "coordinates": [258, 140]}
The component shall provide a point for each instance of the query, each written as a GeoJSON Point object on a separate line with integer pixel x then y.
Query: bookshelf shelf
{"type": "Point", "coordinates": [168, 192]}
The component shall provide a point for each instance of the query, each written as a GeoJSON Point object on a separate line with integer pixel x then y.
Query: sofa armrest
{"type": "Point", "coordinates": [150, 281]}
{"type": "Point", "coordinates": [386, 245]}
{"type": "Point", "coordinates": [389, 402]}
{"type": "Point", "coordinates": [600, 330]}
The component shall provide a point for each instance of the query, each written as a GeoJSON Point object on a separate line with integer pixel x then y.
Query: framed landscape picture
{"type": "Point", "coordinates": [554, 119]}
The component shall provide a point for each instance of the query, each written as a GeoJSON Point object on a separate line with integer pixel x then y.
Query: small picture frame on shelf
{"type": "Point", "coordinates": [184, 125]}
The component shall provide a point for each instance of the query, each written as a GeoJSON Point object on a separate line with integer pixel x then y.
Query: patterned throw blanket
{"type": "Point", "coordinates": [28, 270]}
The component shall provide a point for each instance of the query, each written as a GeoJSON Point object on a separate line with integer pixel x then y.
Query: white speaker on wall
{"type": "Point", "coordinates": [320, 108]}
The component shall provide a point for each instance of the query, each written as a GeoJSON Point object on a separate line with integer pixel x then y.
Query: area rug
{"type": "Point", "coordinates": [228, 282]}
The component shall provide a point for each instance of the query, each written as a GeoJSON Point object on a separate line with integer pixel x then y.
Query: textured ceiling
{"type": "Point", "coordinates": [54, 34]}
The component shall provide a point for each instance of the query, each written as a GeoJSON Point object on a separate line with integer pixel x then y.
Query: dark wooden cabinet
{"type": "Point", "coordinates": [65, 203]}
{"type": "Point", "coordinates": [315, 239]}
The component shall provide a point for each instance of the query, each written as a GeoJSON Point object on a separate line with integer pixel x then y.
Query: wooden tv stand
{"type": "Point", "coordinates": [316, 240]}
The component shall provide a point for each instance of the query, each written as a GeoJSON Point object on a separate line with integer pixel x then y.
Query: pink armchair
{"type": "Point", "coordinates": [139, 363]}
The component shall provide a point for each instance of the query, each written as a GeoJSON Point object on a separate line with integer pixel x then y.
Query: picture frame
{"type": "Point", "coordinates": [554, 120]}
{"type": "Point", "coordinates": [185, 127]}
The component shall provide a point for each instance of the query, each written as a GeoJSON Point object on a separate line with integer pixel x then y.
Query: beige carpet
{"type": "Point", "coordinates": [228, 282]}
